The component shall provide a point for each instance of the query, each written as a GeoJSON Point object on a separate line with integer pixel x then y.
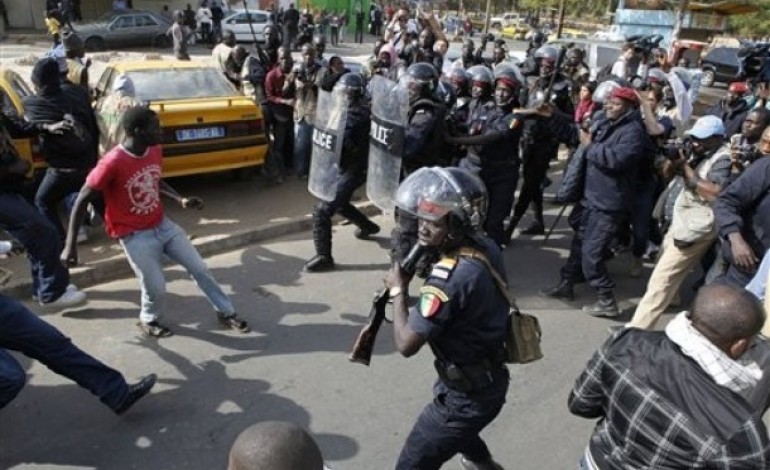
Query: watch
{"type": "Point", "coordinates": [395, 292]}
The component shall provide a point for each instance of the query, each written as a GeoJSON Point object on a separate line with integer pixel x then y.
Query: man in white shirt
{"type": "Point", "coordinates": [221, 51]}
{"type": "Point", "coordinates": [203, 17]}
{"type": "Point", "coordinates": [621, 67]}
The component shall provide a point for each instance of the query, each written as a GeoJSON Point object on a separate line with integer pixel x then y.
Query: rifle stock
{"type": "Point", "coordinates": [364, 345]}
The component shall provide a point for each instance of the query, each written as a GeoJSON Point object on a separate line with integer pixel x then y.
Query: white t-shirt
{"type": "Point", "coordinates": [220, 53]}
{"type": "Point", "coordinates": [203, 15]}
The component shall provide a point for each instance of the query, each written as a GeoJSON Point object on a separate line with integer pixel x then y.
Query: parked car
{"type": "Point", "coordinates": [125, 28]}
{"type": "Point", "coordinates": [506, 19]}
{"type": "Point", "coordinates": [721, 64]}
{"type": "Point", "coordinates": [13, 89]}
{"type": "Point", "coordinates": [238, 22]}
{"type": "Point", "coordinates": [206, 124]}
{"type": "Point", "coordinates": [515, 31]}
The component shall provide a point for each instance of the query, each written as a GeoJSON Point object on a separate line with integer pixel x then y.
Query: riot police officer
{"type": "Point", "coordinates": [424, 143]}
{"type": "Point", "coordinates": [482, 83]}
{"type": "Point", "coordinates": [493, 150]}
{"type": "Point", "coordinates": [538, 145]}
{"type": "Point", "coordinates": [462, 315]}
{"type": "Point", "coordinates": [531, 66]}
{"type": "Point", "coordinates": [352, 174]}
{"type": "Point", "coordinates": [459, 113]}
{"type": "Point", "coordinates": [576, 70]}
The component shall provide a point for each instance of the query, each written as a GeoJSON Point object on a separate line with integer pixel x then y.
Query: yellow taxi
{"type": "Point", "coordinates": [515, 31]}
{"type": "Point", "coordinates": [12, 90]}
{"type": "Point", "coordinates": [207, 124]}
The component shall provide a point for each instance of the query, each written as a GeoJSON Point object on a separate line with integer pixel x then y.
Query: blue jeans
{"type": "Point", "coordinates": [22, 331]}
{"type": "Point", "coordinates": [590, 243]}
{"type": "Point", "coordinates": [55, 186]}
{"type": "Point", "coordinates": [41, 240]}
{"type": "Point", "coordinates": [145, 249]}
{"type": "Point", "coordinates": [303, 146]}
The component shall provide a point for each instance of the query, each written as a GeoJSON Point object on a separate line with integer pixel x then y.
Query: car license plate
{"type": "Point", "coordinates": [201, 133]}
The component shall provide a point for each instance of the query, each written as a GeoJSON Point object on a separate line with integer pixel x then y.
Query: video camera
{"type": "Point", "coordinates": [754, 66]}
{"type": "Point", "coordinates": [747, 154]}
{"type": "Point", "coordinates": [673, 148]}
{"type": "Point", "coordinates": [645, 44]}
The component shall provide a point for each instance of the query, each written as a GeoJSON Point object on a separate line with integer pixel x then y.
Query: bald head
{"type": "Point", "coordinates": [275, 445]}
{"type": "Point", "coordinates": [726, 314]}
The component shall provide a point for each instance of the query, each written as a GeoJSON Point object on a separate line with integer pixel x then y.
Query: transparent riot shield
{"type": "Point", "coordinates": [328, 135]}
{"type": "Point", "coordinates": [390, 108]}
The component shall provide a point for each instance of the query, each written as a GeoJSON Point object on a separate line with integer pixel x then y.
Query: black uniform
{"type": "Point", "coordinates": [463, 315]}
{"type": "Point", "coordinates": [352, 175]}
{"type": "Point", "coordinates": [495, 158]}
{"type": "Point", "coordinates": [539, 147]}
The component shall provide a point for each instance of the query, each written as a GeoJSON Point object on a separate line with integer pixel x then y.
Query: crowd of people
{"type": "Point", "coordinates": [454, 138]}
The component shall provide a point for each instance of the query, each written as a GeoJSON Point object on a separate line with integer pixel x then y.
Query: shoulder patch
{"type": "Point", "coordinates": [430, 302]}
{"type": "Point", "coordinates": [433, 290]}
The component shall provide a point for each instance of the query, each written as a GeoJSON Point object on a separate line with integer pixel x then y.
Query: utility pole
{"type": "Point", "coordinates": [488, 17]}
{"type": "Point", "coordinates": [561, 19]}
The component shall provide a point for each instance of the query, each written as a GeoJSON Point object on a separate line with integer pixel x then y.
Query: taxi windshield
{"type": "Point", "coordinates": [180, 84]}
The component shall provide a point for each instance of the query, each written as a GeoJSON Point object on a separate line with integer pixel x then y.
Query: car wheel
{"type": "Point", "coordinates": [161, 41]}
{"type": "Point", "coordinates": [94, 44]}
{"type": "Point", "coordinates": [708, 78]}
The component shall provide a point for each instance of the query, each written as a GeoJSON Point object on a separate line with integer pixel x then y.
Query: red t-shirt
{"type": "Point", "coordinates": [130, 185]}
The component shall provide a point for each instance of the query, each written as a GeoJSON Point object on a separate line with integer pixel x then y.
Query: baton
{"type": "Point", "coordinates": [555, 223]}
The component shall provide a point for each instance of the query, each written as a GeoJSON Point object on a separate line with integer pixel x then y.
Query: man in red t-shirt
{"type": "Point", "coordinates": [129, 179]}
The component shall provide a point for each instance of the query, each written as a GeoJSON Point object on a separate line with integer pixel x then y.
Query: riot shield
{"type": "Point", "coordinates": [328, 135]}
{"type": "Point", "coordinates": [390, 108]}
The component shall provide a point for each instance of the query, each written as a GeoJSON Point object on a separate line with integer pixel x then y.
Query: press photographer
{"type": "Point", "coordinates": [744, 147]}
{"type": "Point", "coordinates": [702, 163]}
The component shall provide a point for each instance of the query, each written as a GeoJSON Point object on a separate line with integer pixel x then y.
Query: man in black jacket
{"type": "Point", "coordinates": [70, 154]}
{"type": "Point", "coordinates": [679, 398]}
{"type": "Point", "coordinates": [742, 214]}
{"type": "Point", "coordinates": [614, 149]}
{"type": "Point", "coordinates": [732, 109]}
{"type": "Point", "coordinates": [18, 217]}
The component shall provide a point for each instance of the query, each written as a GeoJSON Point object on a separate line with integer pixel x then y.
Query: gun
{"type": "Point", "coordinates": [362, 349]}
{"type": "Point", "coordinates": [260, 53]}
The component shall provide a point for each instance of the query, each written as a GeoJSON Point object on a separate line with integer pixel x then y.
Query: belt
{"type": "Point", "coordinates": [467, 378]}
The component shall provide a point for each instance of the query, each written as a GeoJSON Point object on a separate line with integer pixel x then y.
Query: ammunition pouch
{"type": "Point", "coordinates": [468, 378]}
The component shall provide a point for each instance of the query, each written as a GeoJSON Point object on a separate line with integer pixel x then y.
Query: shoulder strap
{"type": "Point", "coordinates": [501, 284]}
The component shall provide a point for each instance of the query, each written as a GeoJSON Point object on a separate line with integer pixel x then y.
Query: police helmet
{"type": "Point", "coordinates": [432, 193]}
{"type": "Point", "coordinates": [547, 53]}
{"type": "Point", "coordinates": [657, 76]}
{"type": "Point", "coordinates": [537, 39]}
{"type": "Point", "coordinates": [421, 80]}
{"type": "Point", "coordinates": [481, 74]}
{"type": "Point", "coordinates": [458, 76]}
{"type": "Point", "coordinates": [352, 84]}
{"type": "Point", "coordinates": [510, 74]}
{"type": "Point", "coordinates": [604, 91]}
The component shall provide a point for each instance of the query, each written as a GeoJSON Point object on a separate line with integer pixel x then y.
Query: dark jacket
{"type": "Point", "coordinates": [745, 207]}
{"type": "Point", "coordinates": [10, 128]}
{"type": "Point", "coordinates": [612, 158]}
{"type": "Point", "coordinates": [657, 408]}
{"type": "Point", "coordinates": [424, 140]}
{"type": "Point", "coordinates": [732, 117]}
{"type": "Point", "coordinates": [65, 150]}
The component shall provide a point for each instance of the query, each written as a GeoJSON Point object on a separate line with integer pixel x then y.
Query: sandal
{"type": "Point", "coordinates": [154, 329]}
{"type": "Point", "coordinates": [233, 322]}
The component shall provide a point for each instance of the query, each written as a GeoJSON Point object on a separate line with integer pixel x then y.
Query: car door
{"type": "Point", "coordinates": [121, 31]}
{"type": "Point", "coordinates": [145, 30]}
{"type": "Point", "coordinates": [239, 24]}
{"type": "Point", "coordinates": [259, 21]}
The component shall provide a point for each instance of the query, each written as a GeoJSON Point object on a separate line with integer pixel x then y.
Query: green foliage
{"type": "Point", "coordinates": [753, 24]}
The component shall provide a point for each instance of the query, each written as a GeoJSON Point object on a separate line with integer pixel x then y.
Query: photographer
{"type": "Point", "coordinates": [704, 167]}
{"type": "Point", "coordinates": [305, 76]}
{"type": "Point", "coordinates": [744, 147]}
{"type": "Point", "coordinates": [622, 68]}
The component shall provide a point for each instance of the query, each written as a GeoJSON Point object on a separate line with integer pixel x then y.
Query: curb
{"type": "Point", "coordinates": [118, 268]}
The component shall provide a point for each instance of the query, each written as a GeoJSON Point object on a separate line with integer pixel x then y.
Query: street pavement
{"type": "Point", "coordinates": [293, 366]}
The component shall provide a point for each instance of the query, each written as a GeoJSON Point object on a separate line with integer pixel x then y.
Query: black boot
{"type": "Point", "coordinates": [319, 264]}
{"type": "Point", "coordinates": [508, 233]}
{"type": "Point", "coordinates": [535, 228]}
{"type": "Point", "coordinates": [562, 290]}
{"type": "Point", "coordinates": [136, 392]}
{"type": "Point", "coordinates": [605, 306]}
{"type": "Point", "coordinates": [488, 464]}
{"type": "Point", "coordinates": [364, 231]}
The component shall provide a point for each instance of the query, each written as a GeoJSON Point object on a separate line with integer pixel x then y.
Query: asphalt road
{"type": "Point", "coordinates": [293, 367]}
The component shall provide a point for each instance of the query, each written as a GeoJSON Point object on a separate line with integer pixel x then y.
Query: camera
{"type": "Point", "coordinates": [300, 72]}
{"type": "Point", "coordinates": [645, 44]}
{"type": "Point", "coordinates": [673, 147]}
{"type": "Point", "coordinates": [747, 154]}
{"type": "Point", "coordinates": [754, 66]}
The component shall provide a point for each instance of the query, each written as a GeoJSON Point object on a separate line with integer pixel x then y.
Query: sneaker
{"type": "Point", "coordinates": [363, 233]}
{"type": "Point", "coordinates": [70, 287]}
{"type": "Point", "coordinates": [70, 298]}
{"type": "Point", "coordinates": [136, 392]}
{"type": "Point", "coordinates": [636, 267]}
{"type": "Point", "coordinates": [155, 329]}
{"type": "Point", "coordinates": [319, 264]}
{"type": "Point", "coordinates": [488, 464]}
{"type": "Point", "coordinates": [233, 322]}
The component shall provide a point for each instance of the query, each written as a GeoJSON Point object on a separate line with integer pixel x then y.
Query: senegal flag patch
{"type": "Point", "coordinates": [431, 299]}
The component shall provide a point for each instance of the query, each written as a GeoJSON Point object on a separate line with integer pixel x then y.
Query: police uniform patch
{"type": "Point", "coordinates": [429, 305]}
{"type": "Point", "coordinates": [443, 268]}
{"type": "Point", "coordinates": [434, 291]}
